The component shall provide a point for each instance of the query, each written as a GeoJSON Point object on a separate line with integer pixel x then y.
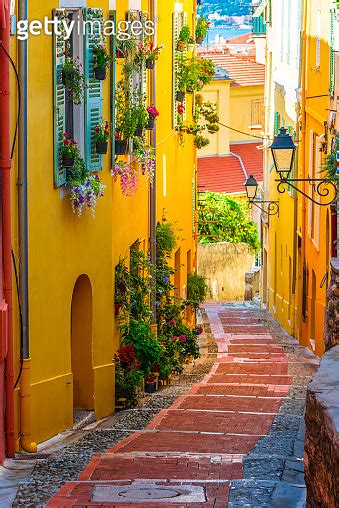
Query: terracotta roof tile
{"type": "Point", "coordinates": [244, 71]}
{"type": "Point", "coordinates": [242, 39]}
{"type": "Point", "coordinates": [225, 174]}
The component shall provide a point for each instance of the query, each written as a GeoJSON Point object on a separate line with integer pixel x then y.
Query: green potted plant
{"type": "Point", "coordinates": [102, 60]}
{"type": "Point", "coordinates": [141, 116]}
{"type": "Point", "coordinates": [125, 48]}
{"type": "Point", "coordinates": [73, 79]}
{"type": "Point", "coordinates": [153, 113]}
{"type": "Point", "coordinates": [196, 290]}
{"type": "Point", "coordinates": [147, 52]}
{"type": "Point", "coordinates": [200, 141]}
{"type": "Point", "coordinates": [191, 44]}
{"type": "Point", "coordinates": [121, 287]}
{"type": "Point", "coordinates": [120, 144]}
{"type": "Point", "coordinates": [101, 137]}
{"type": "Point", "coordinates": [184, 38]}
{"type": "Point", "coordinates": [201, 29]}
{"type": "Point", "coordinates": [69, 151]}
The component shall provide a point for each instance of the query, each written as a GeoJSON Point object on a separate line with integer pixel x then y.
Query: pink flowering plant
{"type": "Point", "coordinates": [101, 132]}
{"type": "Point", "coordinates": [147, 51]}
{"type": "Point", "coordinates": [69, 147]}
{"type": "Point", "coordinates": [102, 59]}
{"type": "Point", "coordinates": [152, 111]}
{"type": "Point", "coordinates": [128, 177]}
{"type": "Point", "coordinates": [145, 156]}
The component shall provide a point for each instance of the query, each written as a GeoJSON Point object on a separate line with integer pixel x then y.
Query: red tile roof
{"type": "Point", "coordinates": [225, 174]}
{"type": "Point", "coordinates": [242, 39]}
{"type": "Point", "coordinates": [244, 71]}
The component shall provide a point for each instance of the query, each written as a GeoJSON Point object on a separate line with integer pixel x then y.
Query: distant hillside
{"type": "Point", "coordinates": [226, 7]}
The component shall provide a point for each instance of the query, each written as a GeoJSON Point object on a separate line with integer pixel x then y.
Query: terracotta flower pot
{"type": "Point", "coordinates": [182, 46]}
{"type": "Point", "coordinates": [100, 74]}
{"type": "Point", "coordinates": [68, 161]}
{"type": "Point", "coordinates": [200, 39]}
{"type": "Point", "coordinates": [151, 123]}
{"type": "Point", "coordinates": [150, 64]}
{"type": "Point", "coordinates": [120, 147]}
{"type": "Point", "coordinates": [180, 96]}
{"type": "Point", "coordinates": [101, 148]}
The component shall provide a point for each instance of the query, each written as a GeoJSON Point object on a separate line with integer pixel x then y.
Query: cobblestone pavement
{"type": "Point", "coordinates": [235, 439]}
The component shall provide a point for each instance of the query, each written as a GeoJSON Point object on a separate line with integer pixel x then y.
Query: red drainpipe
{"type": "Point", "coordinates": [5, 174]}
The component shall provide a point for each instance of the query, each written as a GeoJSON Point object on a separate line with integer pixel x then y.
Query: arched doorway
{"type": "Point", "coordinates": [81, 344]}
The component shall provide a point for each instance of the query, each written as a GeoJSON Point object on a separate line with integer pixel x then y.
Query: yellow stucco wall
{"type": "Point", "coordinates": [234, 109]}
{"type": "Point", "coordinates": [62, 246]}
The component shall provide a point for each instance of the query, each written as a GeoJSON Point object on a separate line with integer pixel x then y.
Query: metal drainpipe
{"type": "Point", "coordinates": [6, 240]}
{"type": "Point", "coordinates": [25, 388]}
{"type": "Point", "coordinates": [153, 188]}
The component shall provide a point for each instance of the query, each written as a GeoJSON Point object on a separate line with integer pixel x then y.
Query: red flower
{"type": "Point", "coordinates": [181, 109]}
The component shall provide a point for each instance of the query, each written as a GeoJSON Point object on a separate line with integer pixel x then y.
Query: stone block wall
{"type": "Point", "coordinates": [322, 434]}
{"type": "Point", "coordinates": [332, 314]}
{"type": "Point", "coordinates": [252, 283]}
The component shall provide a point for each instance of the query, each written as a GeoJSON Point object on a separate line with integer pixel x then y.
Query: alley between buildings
{"type": "Point", "coordinates": [234, 439]}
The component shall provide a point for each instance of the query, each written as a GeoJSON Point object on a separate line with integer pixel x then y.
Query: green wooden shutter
{"type": "Point", "coordinates": [113, 41]}
{"type": "Point", "coordinates": [93, 94]}
{"type": "Point", "coordinates": [59, 102]}
{"type": "Point", "coordinates": [276, 123]}
{"type": "Point", "coordinates": [332, 52]}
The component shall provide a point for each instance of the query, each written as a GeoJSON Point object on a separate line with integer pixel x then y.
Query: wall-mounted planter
{"type": "Point", "coordinates": [68, 161]}
{"type": "Point", "coordinates": [150, 64]}
{"type": "Point", "coordinates": [180, 96]}
{"type": "Point", "coordinates": [182, 46]}
{"type": "Point", "coordinates": [120, 147]}
{"type": "Point", "coordinates": [100, 74]}
{"type": "Point", "coordinates": [200, 39]}
{"type": "Point", "coordinates": [151, 124]}
{"type": "Point", "coordinates": [139, 131]}
{"type": "Point", "coordinates": [101, 148]}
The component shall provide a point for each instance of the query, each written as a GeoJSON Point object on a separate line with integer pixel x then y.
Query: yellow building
{"type": "Point", "coordinates": [71, 259]}
{"type": "Point", "coordinates": [232, 154]}
{"type": "Point", "coordinates": [297, 242]}
{"type": "Point", "coordinates": [315, 221]}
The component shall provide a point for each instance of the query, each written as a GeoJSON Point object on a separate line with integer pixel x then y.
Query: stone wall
{"type": "Point", "coordinates": [322, 434]}
{"type": "Point", "coordinates": [224, 266]}
{"type": "Point", "coordinates": [332, 314]}
{"type": "Point", "coordinates": [252, 283]}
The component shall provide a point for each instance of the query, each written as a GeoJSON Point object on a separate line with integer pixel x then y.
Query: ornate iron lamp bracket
{"type": "Point", "coordinates": [322, 187]}
{"type": "Point", "coordinates": [272, 206]}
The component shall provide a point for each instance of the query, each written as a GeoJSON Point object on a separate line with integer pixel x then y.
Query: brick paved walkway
{"type": "Point", "coordinates": [231, 441]}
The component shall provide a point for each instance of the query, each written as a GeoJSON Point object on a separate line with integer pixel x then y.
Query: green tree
{"type": "Point", "coordinates": [222, 219]}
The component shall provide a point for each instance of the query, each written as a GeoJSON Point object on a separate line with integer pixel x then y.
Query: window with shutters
{"type": "Point", "coordinates": [179, 20]}
{"type": "Point", "coordinates": [257, 110]}
{"type": "Point", "coordinates": [78, 121]}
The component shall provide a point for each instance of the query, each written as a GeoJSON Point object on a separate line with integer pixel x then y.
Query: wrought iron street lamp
{"type": "Point", "coordinates": [283, 152]}
{"type": "Point", "coordinates": [251, 187]}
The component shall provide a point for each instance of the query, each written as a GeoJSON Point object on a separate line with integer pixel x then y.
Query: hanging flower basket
{"type": "Point", "coordinates": [150, 64]}
{"type": "Point", "coordinates": [180, 96]}
{"type": "Point", "coordinates": [100, 74]}
{"type": "Point", "coordinates": [182, 45]}
{"type": "Point", "coordinates": [150, 124]}
{"type": "Point", "coordinates": [200, 39]}
{"type": "Point", "coordinates": [68, 161]}
{"type": "Point", "coordinates": [120, 147]}
{"type": "Point", "coordinates": [139, 131]}
{"type": "Point", "coordinates": [101, 147]}
{"type": "Point", "coordinates": [69, 151]}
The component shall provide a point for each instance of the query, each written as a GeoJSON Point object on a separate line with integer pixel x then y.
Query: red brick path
{"type": "Point", "coordinates": [202, 438]}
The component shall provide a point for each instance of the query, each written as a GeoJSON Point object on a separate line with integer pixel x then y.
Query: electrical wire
{"type": "Point", "coordinates": [13, 258]}
{"type": "Point", "coordinates": [19, 97]}
{"type": "Point", "coordinates": [240, 132]}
